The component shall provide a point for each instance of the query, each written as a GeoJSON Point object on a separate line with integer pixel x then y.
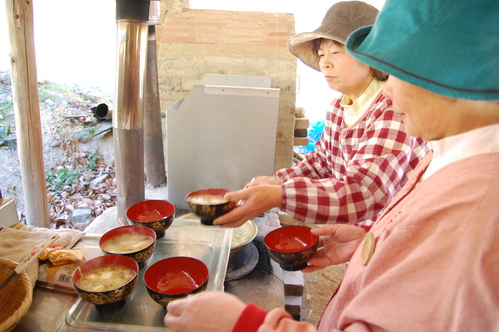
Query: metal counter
{"type": "Point", "coordinates": [54, 310]}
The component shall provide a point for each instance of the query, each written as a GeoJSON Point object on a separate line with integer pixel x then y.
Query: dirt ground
{"type": "Point", "coordinates": [319, 286]}
{"type": "Point", "coordinates": [67, 126]}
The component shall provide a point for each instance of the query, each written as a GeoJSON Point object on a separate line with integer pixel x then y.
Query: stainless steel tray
{"type": "Point", "coordinates": [140, 313]}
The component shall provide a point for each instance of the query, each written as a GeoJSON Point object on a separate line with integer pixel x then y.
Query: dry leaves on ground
{"type": "Point", "coordinates": [94, 190]}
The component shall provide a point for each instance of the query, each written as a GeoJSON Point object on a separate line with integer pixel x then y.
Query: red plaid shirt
{"type": "Point", "coordinates": [353, 172]}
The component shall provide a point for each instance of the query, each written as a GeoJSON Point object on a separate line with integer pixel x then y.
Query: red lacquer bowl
{"type": "Point", "coordinates": [175, 278]}
{"type": "Point", "coordinates": [155, 214]}
{"type": "Point", "coordinates": [291, 246]}
{"type": "Point", "coordinates": [209, 204]}
{"type": "Point", "coordinates": [138, 253]}
{"type": "Point", "coordinates": [111, 299]}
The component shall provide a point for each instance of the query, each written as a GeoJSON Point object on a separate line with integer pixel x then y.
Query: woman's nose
{"type": "Point", "coordinates": [323, 63]}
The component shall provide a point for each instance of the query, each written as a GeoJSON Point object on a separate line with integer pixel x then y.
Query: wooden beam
{"type": "Point", "coordinates": [27, 110]}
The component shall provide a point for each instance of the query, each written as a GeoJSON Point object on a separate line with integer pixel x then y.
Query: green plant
{"type": "Point", "coordinates": [52, 91]}
{"type": "Point", "coordinates": [5, 105]}
{"type": "Point", "coordinates": [85, 134]}
{"type": "Point", "coordinates": [6, 137]}
{"type": "Point", "coordinates": [63, 177]}
{"type": "Point", "coordinates": [92, 160]}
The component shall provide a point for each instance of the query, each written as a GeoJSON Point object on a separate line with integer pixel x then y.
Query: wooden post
{"type": "Point", "coordinates": [27, 110]}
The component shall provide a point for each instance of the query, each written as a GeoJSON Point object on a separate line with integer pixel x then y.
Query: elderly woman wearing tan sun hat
{"type": "Point", "coordinates": [363, 157]}
{"type": "Point", "coordinates": [430, 262]}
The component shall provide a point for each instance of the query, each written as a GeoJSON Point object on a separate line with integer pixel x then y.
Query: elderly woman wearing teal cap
{"type": "Point", "coordinates": [430, 263]}
{"type": "Point", "coordinates": [363, 157]}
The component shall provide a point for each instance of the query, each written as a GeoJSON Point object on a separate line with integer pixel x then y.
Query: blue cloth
{"type": "Point", "coordinates": [314, 134]}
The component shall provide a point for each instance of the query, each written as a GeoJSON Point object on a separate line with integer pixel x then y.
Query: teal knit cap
{"type": "Point", "coordinates": [450, 47]}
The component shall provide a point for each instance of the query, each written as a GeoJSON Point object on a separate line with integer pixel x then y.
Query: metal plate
{"type": "Point", "coordinates": [140, 313]}
{"type": "Point", "coordinates": [244, 234]}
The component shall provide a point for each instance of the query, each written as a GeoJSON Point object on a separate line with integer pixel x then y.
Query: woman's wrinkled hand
{"type": "Point", "coordinates": [255, 201]}
{"type": "Point", "coordinates": [204, 312]}
{"type": "Point", "coordinates": [337, 244]}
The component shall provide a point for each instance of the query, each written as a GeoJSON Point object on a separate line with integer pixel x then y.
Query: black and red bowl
{"type": "Point", "coordinates": [110, 299]}
{"type": "Point", "coordinates": [291, 246]}
{"type": "Point", "coordinates": [156, 214]}
{"type": "Point", "coordinates": [209, 204]}
{"type": "Point", "coordinates": [175, 278]}
{"type": "Point", "coordinates": [138, 254]}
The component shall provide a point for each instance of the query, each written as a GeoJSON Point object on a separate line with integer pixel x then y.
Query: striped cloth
{"type": "Point", "coordinates": [353, 172]}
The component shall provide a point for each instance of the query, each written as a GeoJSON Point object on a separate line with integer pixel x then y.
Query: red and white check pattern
{"type": "Point", "coordinates": [353, 172]}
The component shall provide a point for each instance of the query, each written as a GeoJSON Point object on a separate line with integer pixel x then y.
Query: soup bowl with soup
{"type": "Point", "coordinates": [156, 214]}
{"type": "Point", "coordinates": [136, 242]}
{"type": "Point", "coordinates": [209, 204]}
{"type": "Point", "coordinates": [106, 281]}
{"type": "Point", "coordinates": [175, 278]}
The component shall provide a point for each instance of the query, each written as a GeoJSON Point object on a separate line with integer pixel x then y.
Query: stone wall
{"type": "Point", "coordinates": [193, 42]}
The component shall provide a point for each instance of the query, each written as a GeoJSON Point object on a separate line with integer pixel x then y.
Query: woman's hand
{"type": "Point", "coordinates": [256, 199]}
{"type": "Point", "coordinates": [337, 244]}
{"type": "Point", "coordinates": [204, 312]}
{"type": "Point", "coordinates": [262, 180]}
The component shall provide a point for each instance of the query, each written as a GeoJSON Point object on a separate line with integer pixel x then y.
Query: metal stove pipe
{"type": "Point", "coordinates": [132, 29]}
{"type": "Point", "coordinates": [153, 134]}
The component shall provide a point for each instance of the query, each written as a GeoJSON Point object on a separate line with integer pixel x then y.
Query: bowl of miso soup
{"type": "Point", "coordinates": [209, 204]}
{"type": "Point", "coordinates": [106, 281]}
{"type": "Point", "coordinates": [136, 242]}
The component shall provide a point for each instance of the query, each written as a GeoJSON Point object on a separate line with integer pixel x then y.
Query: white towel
{"type": "Point", "coordinates": [17, 241]}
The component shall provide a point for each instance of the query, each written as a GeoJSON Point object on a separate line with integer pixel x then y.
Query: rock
{"type": "Point", "coordinates": [82, 226]}
{"type": "Point", "coordinates": [98, 180]}
{"type": "Point", "coordinates": [81, 216]}
{"type": "Point", "coordinates": [105, 222]}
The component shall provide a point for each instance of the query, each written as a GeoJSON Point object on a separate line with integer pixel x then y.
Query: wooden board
{"type": "Point", "coordinates": [8, 212]}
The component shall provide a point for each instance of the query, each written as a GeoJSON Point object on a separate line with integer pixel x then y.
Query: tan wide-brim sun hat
{"type": "Point", "coordinates": [341, 20]}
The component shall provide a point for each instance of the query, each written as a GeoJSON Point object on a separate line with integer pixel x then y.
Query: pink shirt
{"type": "Point", "coordinates": [437, 248]}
